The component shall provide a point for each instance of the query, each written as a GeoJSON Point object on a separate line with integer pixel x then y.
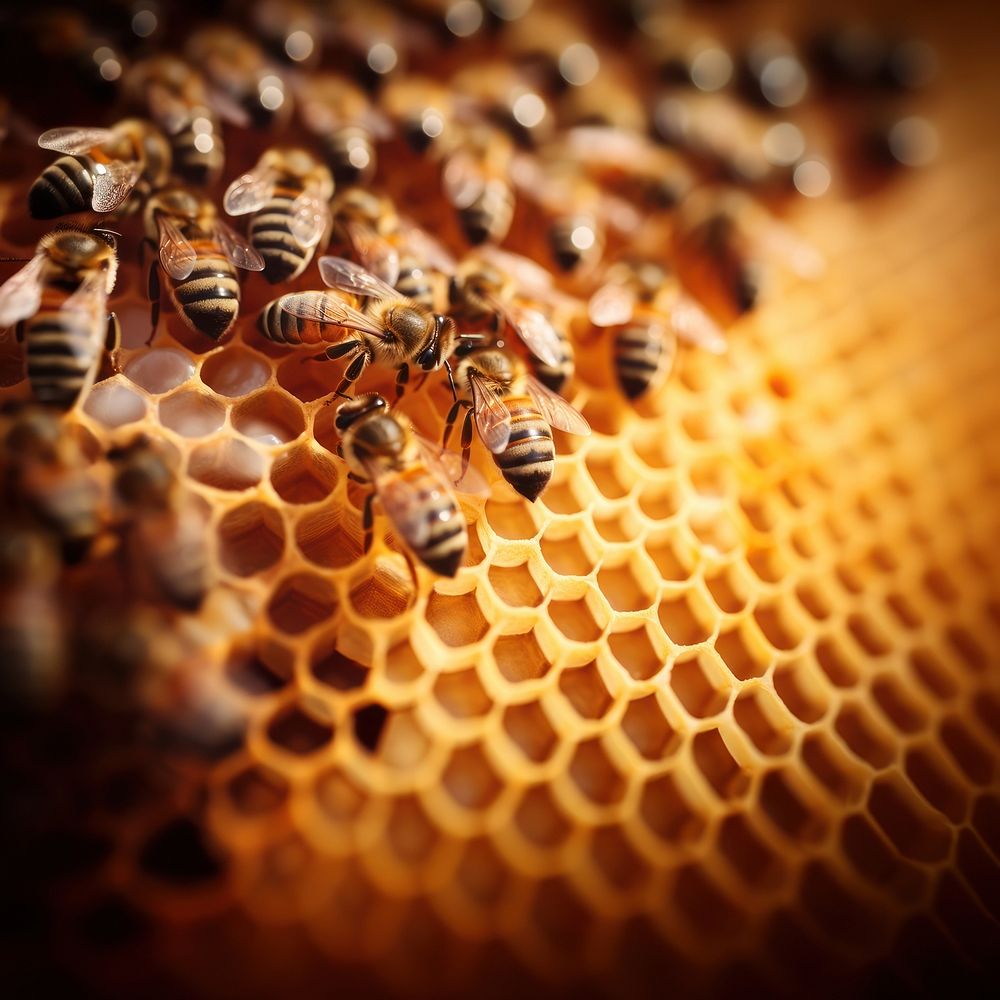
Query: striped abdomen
{"type": "Point", "coordinates": [270, 233]}
{"type": "Point", "coordinates": [209, 298]}
{"type": "Point", "coordinates": [447, 535]}
{"type": "Point", "coordinates": [415, 283]}
{"type": "Point", "coordinates": [64, 187]}
{"type": "Point", "coordinates": [642, 358]}
{"type": "Point", "coordinates": [488, 217]}
{"type": "Point", "coordinates": [350, 155]}
{"type": "Point", "coordinates": [555, 377]}
{"type": "Point", "coordinates": [282, 327]}
{"type": "Point", "coordinates": [199, 166]}
{"type": "Point", "coordinates": [63, 348]}
{"type": "Point", "coordinates": [529, 459]}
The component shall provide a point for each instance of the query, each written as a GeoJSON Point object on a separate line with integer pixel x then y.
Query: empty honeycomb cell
{"type": "Point", "coordinates": [256, 790]}
{"type": "Point", "coordinates": [469, 779]}
{"type": "Point", "coordinates": [762, 511]}
{"type": "Point", "coordinates": [481, 874]}
{"type": "Point", "coordinates": [615, 527]}
{"type": "Point", "coordinates": [301, 475]}
{"type": "Point", "coordinates": [627, 587]}
{"type": "Point", "coordinates": [897, 705]}
{"type": "Point", "coordinates": [530, 730]}
{"type": "Point", "coordinates": [584, 688]}
{"type": "Point", "coordinates": [842, 914]}
{"type": "Point", "coordinates": [705, 905]}
{"type": "Point", "coordinates": [743, 652]}
{"type": "Point", "coordinates": [873, 858]}
{"type": "Point", "coordinates": [687, 620]}
{"type": "Point", "coordinates": [672, 557]}
{"type": "Point", "coordinates": [369, 724]}
{"type": "Point", "coordinates": [304, 381]}
{"type": "Point", "coordinates": [300, 728]}
{"type": "Point", "coordinates": [974, 760]}
{"type": "Point", "coordinates": [226, 465]}
{"type": "Point", "coordinates": [563, 496]}
{"type": "Point", "coordinates": [715, 529]}
{"type": "Point", "coordinates": [515, 586]}
{"type": "Point", "coordinates": [782, 628]}
{"type": "Point", "coordinates": [668, 813]}
{"type": "Point", "coordinates": [700, 685]}
{"type": "Point", "coordinates": [814, 599]}
{"type": "Point", "coordinates": [567, 556]}
{"type": "Point", "coordinates": [191, 413]}
{"type": "Point", "coordinates": [760, 714]}
{"type": "Point", "coordinates": [843, 777]}
{"type": "Point", "coordinates": [916, 830]}
{"type": "Point", "coordinates": [457, 619]}
{"type": "Point", "coordinates": [158, 371]}
{"type": "Point", "coordinates": [940, 586]}
{"type": "Point", "coordinates": [251, 539]}
{"type": "Point", "coordinates": [718, 766]}
{"type": "Point", "coordinates": [937, 782]}
{"type": "Point", "coordinates": [648, 730]}
{"type": "Point", "coordinates": [519, 657]}
{"type": "Point", "coordinates": [868, 634]}
{"type": "Point", "coordinates": [330, 537]}
{"type": "Point", "coordinates": [404, 742]}
{"type": "Point", "coordinates": [768, 564]}
{"type": "Point", "coordinates": [660, 500]}
{"type": "Point", "coordinates": [578, 619]}
{"type": "Point", "coordinates": [790, 810]}
{"type": "Point", "coordinates": [636, 651]}
{"type": "Point", "coordinates": [539, 818]}
{"type": "Point", "coordinates": [384, 592]}
{"type": "Point", "coordinates": [969, 649]}
{"type": "Point", "coordinates": [560, 918]}
{"type": "Point", "coordinates": [904, 610]}
{"type": "Point", "coordinates": [838, 663]}
{"type": "Point", "coordinates": [932, 675]}
{"type": "Point", "coordinates": [260, 666]}
{"type": "Point", "coordinates": [301, 601]}
{"type": "Point", "coordinates": [269, 417]}
{"type": "Point", "coordinates": [593, 773]}
{"type": "Point", "coordinates": [333, 668]}
{"type": "Point", "coordinates": [729, 589]}
{"type": "Point", "coordinates": [749, 855]}
{"type": "Point", "coordinates": [510, 520]}
{"type": "Point", "coordinates": [986, 705]}
{"type": "Point", "coordinates": [235, 371]}
{"type": "Point", "coordinates": [864, 736]}
{"type": "Point", "coordinates": [411, 834]}
{"type": "Point", "coordinates": [114, 404]}
{"type": "Point", "coordinates": [606, 477]}
{"type": "Point", "coordinates": [462, 695]}
{"type": "Point", "coordinates": [620, 865]}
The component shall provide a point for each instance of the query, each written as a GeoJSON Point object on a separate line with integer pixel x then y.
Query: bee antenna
{"type": "Point", "coordinates": [12, 260]}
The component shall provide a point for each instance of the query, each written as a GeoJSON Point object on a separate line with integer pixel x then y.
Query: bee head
{"type": "Point", "coordinates": [359, 408]}
{"type": "Point", "coordinates": [439, 345]}
{"type": "Point", "coordinates": [75, 248]}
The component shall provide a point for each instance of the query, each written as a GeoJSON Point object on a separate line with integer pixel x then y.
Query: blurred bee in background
{"type": "Point", "coordinates": [506, 95]}
{"type": "Point", "coordinates": [411, 478]}
{"type": "Point", "coordinates": [645, 305]}
{"type": "Point", "coordinates": [772, 73]}
{"type": "Point", "coordinates": [163, 531]}
{"type": "Point", "coordinates": [362, 222]}
{"type": "Point", "coordinates": [685, 52]}
{"type": "Point", "coordinates": [236, 67]}
{"type": "Point", "coordinates": [347, 124]}
{"type": "Point", "coordinates": [58, 301]}
{"type": "Point", "coordinates": [425, 266]}
{"type": "Point", "coordinates": [513, 413]}
{"type": "Point", "coordinates": [66, 39]}
{"type": "Point", "coordinates": [476, 181]}
{"type": "Point", "coordinates": [423, 111]}
{"type": "Point", "coordinates": [288, 193]}
{"type": "Point", "coordinates": [199, 254]}
{"type": "Point", "coordinates": [289, 30]}
{"type": "Point", "coordinates": [101, 168]}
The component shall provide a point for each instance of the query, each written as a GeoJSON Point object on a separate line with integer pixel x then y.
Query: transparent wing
{"type": "Point", "coordinates": [113, 183]}
{"type": "Point", "coordinates": [168, 110]}
{"type": "Point", "coordinates": [238, 249]}
{"type": "Point", "coordinates": [91, 297]}
{"type": "Point", "coordinates": [21, 293]}
{"type": "Point", "coordinates": [310, 215]}
{"type": "Point", "coordinates": [74, 139]}
{"type": "Point", "coordinates": [228, 109]}
{"type": "Point", "coordinates": [250, 192]}
{"type": "Point", "coordinates": [556, 411]}
{"type": "Point", "coordinates": [531, 278]}
{"type": "Point", "coordinates": [490, 412]}
{"type": "Point", "coordinates": [374, 252]}
{"type": "Point", "coordinates": [345, 275]}
{"type": "Point", "coordinates": [425, 247]}
{"type": "Point", "coordinates": [611, 305]}
{"type": "Point", "coordinates": [448, 466]}
{"type": "Point", "coordinates": [692, 324]}
{"type": "Point", "coordinates": [463, 179]}
{"type": "Point", "coordinates": [538, 334]}
{"type": "Point", "coordinates": [176, 255]}
{"type": "Point", "coordinates": [322, 307]}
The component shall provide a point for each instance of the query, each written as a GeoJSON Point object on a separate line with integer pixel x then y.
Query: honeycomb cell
{"type": "Point", "coordinates": [660, 501]}
{"type": "Point", "coordinates": [257, 791]}
{"type": "Point", "coordinates": [114, 404]}
{"type": "Point", "coordinates": [529, 729]}
{"type": "Point", "coordinates": [469, 779]}
{"type": "Point", "coordinates": [700, 686]}
{"type": "Point", "coordinates": [519, 658]}
{"type": "Point", "coordinates": [300, 602]}
{"type": "Point", "coordinates": [458, 620]}
{"type": "Point", "coordinates": [329, 537]}
{"type": "Point", "coordinates": [333, 668]}
{"type": "Point", "coordinates": [897, 706]}
{"type": "Point", "coordinates": [160, 370]}
{"type": "Point", "coordinates": [269, 418]}
{"type": "Point", "coordinates": [648, 730]}
{"type": "Point", "coordinates": [515, 586]}
{"type": "Point", "coordinates": [760, 715]}
{"type": "Point", "coordinates": [830, 764]}
{"type": "Point", "coordinates": [301, 475]}
{"type": "Point", "coordinates": [863, 736]}
{"type": "Point", "coordinates": [191, 413]}
{"type": "Point", "coordinates": [635, 651]}
{"type": "Point", "coordinates": [915, 830]}
{"type": "Point", "coordinates": [576, 619]}
{"type": "Point", "coordinates": [235, 371]}
{"type": "Point", "coordinates": [462, 694]}
{"type": "Point", "coordinates": [384, 593]}
{"type": "Point", "coordinates": [300, 729]}
{"type": "Point", "coordinates": [687, 620]}
{"type": "Point", "coordinates": [567, 556]}
{"type": "Point", "coordinates": [369, 722]}
{"type": "Point", "coordinates": [748, 855]}
{"type": "Point", "coordinates": [539, 818]}
{"type": "Point", "coordinates": [938, 783]}
{"type": "Point", "coordinates": [251, 539]}
{"type": "Point", "coordinates": [788, 809]}
{"type": "Point", "coordinates": [593, 773]}
{"type": "Point", "coordinates": [226, 465]}
{"type": "Point", "coordinates": [584, 688]}
{"type": "Point", "coordinates": [717, 764]}
{"type": "Point", "coordinates": [303, 381]}
{"type": "Point", "coordinates": [260, 667]}
{"type": "Point", "coordinates": [620, 865]}
{"type": "Point", "coordinates": [624, 588]}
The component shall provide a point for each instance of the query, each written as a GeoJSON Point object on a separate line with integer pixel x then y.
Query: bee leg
{"type": "Point", "coordinates": [402, 377]}
{"type": "Point", "coordinates": [449, 422]}
{"type": "Point", "coordinates": [153, 292]}
{"type": "Point", "coordinates": [113, 340]}
{"type": "Point", "coordinates": [19, 331]}
{"type": "Point", "coordinates": [466, 442]}
{"type": "Point", "coordinates": [451, 380]}
{"type": "Point", "coordinates": [335, 351]}
{"type": "Point", "coordinates": [368, 521]}
{"type": "Point", "coordinates": [354, 370]}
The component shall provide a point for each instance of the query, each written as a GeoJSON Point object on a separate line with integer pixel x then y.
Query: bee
{"type": "Point", "coordinates": [394, 331]}
{"type": "Point", "coordinates": [424, 112]}
{"type": "Point", "coordinates": [507, 96]}
{"type": "Point", "coordinates": [499, 290]}
{"type": "Point", "coordinates": [425, 266]}
{"type": "Point", "coordinates": [58, 302]}
{"type": "Point", "coordinates": [362, 223]}
{"type": "Point", "coordinates": [347, 124]}
{"type": "Point", "coordinates": [644, 303]}
{"type": "Point", "coordinates": [475, 180]}
{"type": "Point", "coordinates": [289, 194]}
{"type": "Point", "coordinates": [410, 477]}
{"type": "Point", "coordinates": [199, 254]}
{"type": "Point", "coordinates": [289, 29]}
{"type": "Point", "coordinates": [163, 532]}
{"type": "Point", "coordinates": [100, 169]}
{"type": "Point", "coordinates": [513, 413]}
{"type": "Point", "coordinates": [175, 96]}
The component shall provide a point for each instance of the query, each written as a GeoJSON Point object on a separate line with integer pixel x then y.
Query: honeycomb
{"type": "Point", "coordinates": [718, 714]}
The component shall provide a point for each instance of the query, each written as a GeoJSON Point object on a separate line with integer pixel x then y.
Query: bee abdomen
{"type": "Point", "coordinates": [63, 187]}
{"type": "Point", "coordinates": [61, 358]}
{"type": "Point", "coordinates": [641, 360]}
{"type": "Point", "coordinates": [351, 155]}
{"type": "Point", "coordinates": [447, 537]}
{"type": "Point", "coordinates": [528, 460]}
{"type": "Point", "coordinates": [209, 298]}
{"type": "Point", "coordinates": [284, 257]}
{"type": "Point", "coordinates": [283, 327]}
{"type": "Point", "coordinates": [198, 166]}
{"type": "Point", "coordinates": [488, 218]}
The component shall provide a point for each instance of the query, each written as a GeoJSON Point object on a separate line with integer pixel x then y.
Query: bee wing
{"type": "Point", "coordinates": [168, 110]}
{"type": "Point", "coordinates": [491, 413]}
{"type": "Point", "coordinates": [556, 411]}
{"type": "Point", "coordinates": [426, 247]}
{"type": "Point", "coordinates": [377, 254]}
{"type": "Point", "coordinates": [21, 293]}
{"type": "Point", "coordinates": [538, 334]}
{"type": "Point", "coordinates": [448, 466]}
{"type": "Point", "coordinates": [463, 179]}
{"type": "Point", "coordinates": [322, 307]}
{"type": "Point", "coordinates": [692, 324]}
{"type": "Point", "coordinates": [531, 278]}
{"type": "Point", "coordinates": [74, 139]}
{"type": "Point", "coordinates": [237, 249]}
{"type": "Point", "coordinates": [176, 255]}
{"type": "Point", "coordinates": [113, 183]}
{"type": "Point", "coordinates": [310, 215]}
{"type": "Point", "coordinates": [345, 275]}
{"type": "Point", "coordinates": [611, 305]}
{"type": "Point", "coordinates": [250, 192]}
{"type": "Point", "coordinates": [406, 504]}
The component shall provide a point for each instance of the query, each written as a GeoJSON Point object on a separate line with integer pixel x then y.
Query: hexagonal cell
{"type": "Point", "coordinates": [605, 476]}
{"type": "Point", "coordinates": [868, 634]}
{"type": "Point", "coordinates": [686, 619]}
{"type": "Point", "coordinates": [729, 589]}
{"type": "Point", "coordinates": [560, 920]}
{"type": "Point", "coordinates": [404, 743]}
{"type": "Point", "coordinates": [563, 496]}
{"type": "Point", "coordinates": [615, 527]}
{"type": "Point", "coordinates": [330, 537]}
{"type": "Point", "coordinates": [410, 833]}
{"type": "Point", "coordinates": [937, 782]}
{"type": "Point", "coordinates": [660, 500]}
{"type": "Point", "coordinates": [748, 855]}
{"type": "Point", "coordinates": [539, 818]}
{"type": "Point", "coordinates": [511, 519]}
{"type": "Point", "coordinates": [781, 627]}
{"type": "Point", "coordinates": [968, 647]}
{"type": "Point", "coordinates": [302, 475]}
{"type": "Point", "coordinates": [260, 666]}
{"type": "Point", "coordinates": [369, 723]}
{"type": "Point", "coordinates": [715, 530]}
{"type": "Point", "coordinates": [594, 775]}
{"type": "Point", "coordinates": [868, 852]}
{"type": "Point", "coordinates": [269, 417]}
{"type": "Point", "coordinates": [743, 653]}
{"type": "Point", "coordinates": [251, 539]}
{"type": "Point", "coordinates": [898, 707]}
{"type": "Point", "coordinates": [576, 619]}
{"type": "Point", "coordinates": [814, 599]}
{"type": "Point", "coordinates": [761, 716]}
{"type": "Point", "coordinates": [114, 404]}
{"type": "Point", "coordinates": [863, 736]}
{"type": "Point", "coordinates": [257, 790]}
{"type": "Point", "coordinates": [300, 602]}
{"type": "Point", "coordinates": [768, 564]}
{"type": "Point", "coordinates": [384, 592]}
{"type": "Point", "coordinates": [917, 831]}
{"type": "Point", "coordinates": [469, 778]}
{"type": "Point", "coordinates": [648, 729]}
{"type": "Point", "coordinates": [226, 465]}
{"type": "Point", "coordinates": [932, 675]}
{"type": "Point", "coordinates": [457, 618]}
{"type": "Point", "coordinates": [618, 862]}
{"type": "Point", "coordinates": [788, 809]}
{"type": "Point", "coordinates": [832, 766]}
{"type": "Point", "coordinates": [160, 369]}
{"type": "Point", "coordinates": [302, 380]}
{"type": "Point", "coordinates": [462, 694]}
{"type": "Point", "coordinates": [667, 812]}
{"type": "Point", "coordinates": [191, 413]}
{"type": "Point", "coordinates": [837, 663]}
{"type": "Point", "coordinates": [718, 766]}
{"type": "Point", "coordinates": [235, 371]}
{"type": "Point", "coordinates": [700, 686]}
{"type": "Point", "coordinates": [529, 728]}
{"type": "Point", "coordinates": [520, 658]}
{"type": "Point", "coordinates": [672, 557]}
{"type": "Point", "coordinates": [585, 690]}
{"type": "Point", "coordinates": [986, 705]}
{"type": "Point", "coordinates": [566, 556]}
{"type": "Point", "coordinates": [334, 668]}
{"type": "Point", "coordinates": [904, 610]}
{"type": "Point", "coordinates": [515, 586]}
{"type": "Point", "coordinates": [796, 684]}
{"type": "Point", "coordinates": [636, 653]}
{"type": "Point", "coordinates": [622, 588]}
{"type": "Point", "coordinates": [301, 728]}
{"type": "Point", "coordinates": [972, 758]}
{"type": "Point", "coordinates": [482, 874]}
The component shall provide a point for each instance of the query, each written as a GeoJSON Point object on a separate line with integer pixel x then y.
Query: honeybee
{"type": "Point", "coordinates": [497, 290]}
{"type": "Point", "coordinates": [362, 221]}
{"type": "Point", "coordinates": [424, 112]}
{"type": "Point", "coordinates": [289, 194]}
{"type": "Point", "coordinates": [513, 413]}
{"type": "Point", "coordinates": [505, 94]}
{"type": "Point", "coordinates": [643, 301]}
{"type": "Point", "coordinates": [425, 266]}
{"type": "Point", "coordinates": [394, 331]}
{"type": "Point", "coordinates": [101, 167]}
{"type": "Point", "coordinates": [289, 29]}
{"type": "Point", "coordinates": [347, 124]}
{"type": "Point", "coordinates": [475, 179]}
{"type": "Point", "coordinates": [199, 254]}
{"type": "Point", "coordinates": [411, 478]}
{"type": "Point", "coordinates": [58, 301]}
{"type": "Point", "coordinates": [163, 532]}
